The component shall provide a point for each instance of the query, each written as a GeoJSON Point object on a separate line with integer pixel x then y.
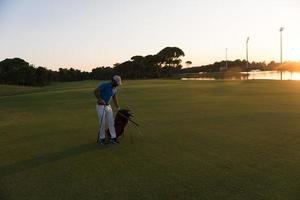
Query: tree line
{"type": "Point", "coordinates": [236, 65]}
{"type": "Point", "coordinates": [18, 71]}
{"type": "Point", "coordinates": [165, 64]}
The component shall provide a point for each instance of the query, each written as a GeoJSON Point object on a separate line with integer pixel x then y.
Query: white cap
{"type": "Point", "coordinates": [117, 79]}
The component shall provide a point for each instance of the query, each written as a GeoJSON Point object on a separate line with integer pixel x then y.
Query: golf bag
{"type": "Point", "coordinates": [121, 120]}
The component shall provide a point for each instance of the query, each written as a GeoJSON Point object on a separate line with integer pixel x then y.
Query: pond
{"type": "Point", "coordinates": [252, 75]}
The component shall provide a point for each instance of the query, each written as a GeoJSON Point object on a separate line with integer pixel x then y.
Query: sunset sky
{"type": "Point", "coordinates": [84, 34]}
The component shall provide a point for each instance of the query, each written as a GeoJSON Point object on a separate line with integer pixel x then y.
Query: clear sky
{"type": "Point", "coordinates": [88, 33]}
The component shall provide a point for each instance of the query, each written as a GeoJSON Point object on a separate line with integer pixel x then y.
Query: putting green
{"type": "Point", "coordinates": [200, 140]}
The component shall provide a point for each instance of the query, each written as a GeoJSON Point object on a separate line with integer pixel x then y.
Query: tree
{"type": "Point", "coordinates": [152, 68]}
{"type": "Point", "coordinates": [42, 76]}
{"type": "Point", "coordinates": [17, 71]}
{"type": "Point", "coordinates": [102, 73]}
{"type": "Point", "coordinates": [169, 56]}
{"type": "Point", "coordinates": [188, 63]}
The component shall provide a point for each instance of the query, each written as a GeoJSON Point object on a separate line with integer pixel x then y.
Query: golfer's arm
{"type": "Point", "coordinates": [97, 94]}
{"type": "Point", "coordinates": [116, 102]}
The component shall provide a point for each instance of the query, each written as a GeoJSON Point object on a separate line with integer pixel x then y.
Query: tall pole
{"type": "Point", "coordinates": [247, 53]}
{"type": "Point", "coordinates": [280, 30]}
{"type": "Point", "coordinates": [226, 58]}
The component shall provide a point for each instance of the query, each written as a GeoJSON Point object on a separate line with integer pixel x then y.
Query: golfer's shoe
{"type": "Point", "coordinates": [102, 141]}
{"type": "Point", "coordinates": [113, 141]}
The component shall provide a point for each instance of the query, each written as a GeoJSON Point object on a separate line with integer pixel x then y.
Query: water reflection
{"type": "Point", "coordinates": [254, 75]}
{"type": "Point", "coordinates": [197, 79]}
{"type": "Point", "coordinates": [273, 75]}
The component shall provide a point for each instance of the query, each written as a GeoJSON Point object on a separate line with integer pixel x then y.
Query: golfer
{"type": "Point", "coordinates": [103, 93]}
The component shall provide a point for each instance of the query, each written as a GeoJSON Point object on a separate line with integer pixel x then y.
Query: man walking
{"type": "Point", "coordinates": [103, 93]}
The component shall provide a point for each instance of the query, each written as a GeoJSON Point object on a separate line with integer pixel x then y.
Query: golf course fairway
{"type": "Point", "coordinates": [198, 140]}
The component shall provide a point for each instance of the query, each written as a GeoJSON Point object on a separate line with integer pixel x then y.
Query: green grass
{"type": "Point", "coordinates": [201, 140]}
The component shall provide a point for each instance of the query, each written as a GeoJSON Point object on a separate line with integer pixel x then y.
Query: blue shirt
{"type": "Point", "coordinates": [107, 91]}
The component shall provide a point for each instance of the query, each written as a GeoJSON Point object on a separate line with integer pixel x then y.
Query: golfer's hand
{"type": "Point", "coordinates": [101, 102]}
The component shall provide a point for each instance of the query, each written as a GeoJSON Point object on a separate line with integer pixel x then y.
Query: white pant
{"type": "Point", "coordinates": [105, 115]}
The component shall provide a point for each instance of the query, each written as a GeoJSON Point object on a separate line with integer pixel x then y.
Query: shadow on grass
{"type": "Point", "coordinates": [24, 165]}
